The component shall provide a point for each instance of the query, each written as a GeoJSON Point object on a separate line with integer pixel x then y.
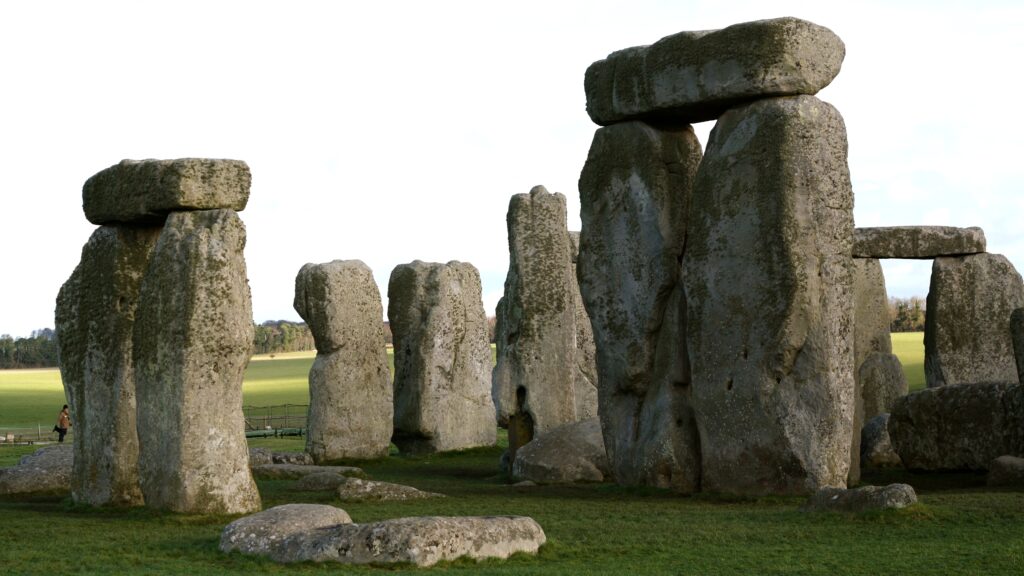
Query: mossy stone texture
{"type": "Point", "coordinates": [917, 242]}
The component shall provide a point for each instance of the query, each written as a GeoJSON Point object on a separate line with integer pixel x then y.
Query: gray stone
{"type": "Point", "coordinates": [586, 350]}
{"type": "Point", "coordinates": [1006, 471]}
{"type": "Point", "coordinates": [875, 447]}
{"type": "Point", "coordinates": [146, 191]}
{"type": "Point", "coordinates": [193, 336]}
{"type": "Point", "coordinates": [917, 242]}
{"type": "Point", "coordinates": [769, 290]}
{"type": "Point", "coordinates": [535, 382]}
{"type": "Point", "coordinates": [301, 458]}
{"type": "Point", "coordinates": [863, 499]}
{"type": "Point", "coordinates": [260, 457]}
{"type": "Point", "coordinates": [697, 76]}
{"type": "Point", "coordinates": [95, 319]}
{"type": "Point", "coordinates": [967, 320]}
{"type": "Point", "coordinates": [359, 490]}
{"type": "Point", "coordinates": [46, 471]}
{"type": "Point", "coordinates": [423, 541]}
{"type": "Point", "coordinates": [350, 393]}
{"type": "Point", "coordinates": [882, 383]}
{"type": "Point", "coordinates": [297, 471]}
{"type": "Point", "coordinates": [1017, 337]}
{"type": "Point", "coordinates": [958, 427]}
{"type": "Point", "coordinates": [634, 195]}
{"type": "Point", "coordinates": [260, 533]}
{"type": "Point", "coordinates": [570, 453]}
{"type": "Point", "coordinates": [442, 359]}
{"type": "Point", "coordinates": [320, 482]}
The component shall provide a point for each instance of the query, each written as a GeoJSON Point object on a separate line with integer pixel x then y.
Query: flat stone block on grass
{"type": "Point", "coordinates": [861, 499]}
{"type": "Point", "coordinates": [45, 471]}
{"type": "Point", "coordinates": [259, 533]}
{"type": "Point", "coordinates": [917, 242]}
{"type": "Point", "coordinates": [296, 471]}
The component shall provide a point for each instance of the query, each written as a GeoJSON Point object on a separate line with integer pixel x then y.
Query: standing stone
{"type": "Point", "coordinates": [1017, 337]}
{"type": "Point", "coordinates": [442, 358]}
{"type": "Point", "coordinates": [770, 299]}
{"type": "Point", "coordinates": [193, 336]}
{"type": "Point", "coordinates": [95, 319]}
{"type": "Point", "coordinates": [917, 242]}
{"type": "Point", "coordinates": [967, 320]}
{"type": "Point", "coordinates": [635, 194]}
{"type": "Point", "coordinates": [697, 76]}
{"type": "Point", "coordinates": [350, 395]}
{"type": "Point", "coordinates": [535, 384]}
{"type": "Point", "coordinates": [883, 382]}
{"type": "Point", "coordinates": [586, 350]}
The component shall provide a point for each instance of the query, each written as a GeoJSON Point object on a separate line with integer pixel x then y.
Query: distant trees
{"type": "Point", "coordinates": [37, 351]}
{"type": "Point", "coordinates": [275, 336]}
{"type": "Point", "coordinates": [906, 314]}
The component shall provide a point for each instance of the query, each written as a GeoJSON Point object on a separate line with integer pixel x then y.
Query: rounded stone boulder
{"type": "Point", "coordinates": [259, 533]}
{"type": "Point", "coordinates": [570, 453]}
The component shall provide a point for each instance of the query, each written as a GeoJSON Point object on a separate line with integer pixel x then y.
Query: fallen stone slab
{"type": "Point", "coordinates": [917, 242]}
{"type": "Point", "coordinates": [423, 541]}
{"type": "Point", "coordinates": [45, 471]}
{"type": "Point", "coordinates": [960, 427]}
{"type": "Point", "coordinates": [861, 499]}
{"type": "Point", "coordinates": [320, 482]}
{"type": "Point", "coordinates": [875, 446]}
{"type": "Point", "coordinates": [146, 191]}
{"type": "Point", "coordinates": [296, 471]}
{"type": "Point", "coordinates": [1006, 471]}
{"type": "Point", "coordinates": [263, 456]}
{"type": "Point", "coordinates": [696, 76]}
{"type": "Point", "coordinates": [258, 533]}
{"type": "Point", "coordinates": [571, 453]}
{"type": "Point", "coordinates": [359, 490]}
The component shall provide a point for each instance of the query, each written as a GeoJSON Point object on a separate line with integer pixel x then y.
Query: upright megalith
{"type": "Point", "coordinates": [586, 350]}
{"type": "Point", "coordinates": [967, 335]}
{"type": "Point", "coordinates": [769, 293]}
{"type": "Point", "coordinates": [350, 395]}
{"type": "Point", "coordinates": [442, 392]}
{"type": "Point", "coordinates": [95, 319]}
{"type": "Point", "coordinates": [536, 384]}
{"type": "Point", "coordinates": [696, 76]}
{"type": "Point", "coordinates": [635, 195]}
{"type": "Point", "coordinates": [193, 336]}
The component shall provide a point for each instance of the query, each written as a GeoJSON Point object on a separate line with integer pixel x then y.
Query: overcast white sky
{"type": "Point", "coordinates": [394, 131]}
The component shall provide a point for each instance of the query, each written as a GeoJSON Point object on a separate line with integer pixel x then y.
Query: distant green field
{"type": "Point", "coordinates": [909, 347]}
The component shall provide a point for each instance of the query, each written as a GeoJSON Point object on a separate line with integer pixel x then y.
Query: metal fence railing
{"type": "Point", "coordinates": [275, 420]}
{"type": "Point", "coordinates": [29, 435]}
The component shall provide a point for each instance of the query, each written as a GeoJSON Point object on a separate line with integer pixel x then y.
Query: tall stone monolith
{"type": "Point", "coordinates": [967, 338]}
{"type": "Point", "coordinates": [350, 394]}
{"type": "Point", "coordinates": [769, 293]}
{"type": "Point", "coordinates": [193, 336]}
{"type": "Point", "coordinates": [536, 383]}
{"type": "Point", "coordinates": [95, 317]}
{"type": "Point", "coordinates": [635, 195]}
{"type": "Point", "coordinates": [586, 350]}
{"type": "Point", "coordinates": [442, 394]}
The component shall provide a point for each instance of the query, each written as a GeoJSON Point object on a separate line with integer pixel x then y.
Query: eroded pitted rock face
{"type": "Point", "coordinates": [634, 194]}
{"type": "Point", "coordinates": [570, 453]}
{"type": "Point", "coordinates": [917, 242]}
{"type": "Point", "coordinates": [442, 359]}
{"type": "Point", "coordinates": [768, 283]}
{"type": "Point", "coordinates": [193, 336]}
{"type": "Point", "coordinates": [260, 533]}
{"type": "Point", "coordinates": [45, 471]}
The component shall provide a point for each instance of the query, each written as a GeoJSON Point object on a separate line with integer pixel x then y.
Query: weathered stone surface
{"type": "Point", "coordinates": [917, 242]}
{"type": "Point", "coordinates": [1017, 337]}
{"type": "Point", "coordinates": [875, 447]}
{"type": "Point", "coordinates": [829, 499]}
{"type": "Point", "coordinates": [193, 336]}
{"type": "Point", "coordinates": [958, 427]}
{"type": "Point", "coordinates": [769, 287]}
{"type": "Point", "coordinates": [260, 457]}
{"type": "Point", "coordinates": [1006, 471]}
{"type": "Point", "coordinates": [263, 456]}
{"type": "Point", "coordinates": [570, 453]}
{"type": "Point", "coordinates": [586, 350]}
{"type": "Point", "coordinates": [95, 319]}
{"type": "Point", "coordinates": [442, 358]}
{"type": "Point", "coordinates": [535, 384]}
{"type": "Point", "coordinates": [697, 76]}
{"type": "Point", "coordinates": [967, 320]}
{"type": "Point", "coordinates": [359, 490]}
{"type": "Point", "coordinates": [260, 533]}
{"type": "Point", "coordinates": [320, 482]}
{"type": "Point", "coordinates": [45, 471]}
{"type": "Point", "coordinates": [634, 194]}
{"type": "Point", "coordinates": [882, 383]}
{"type": "Point", "coordinates": [350, 393]}
{"type": "Point", "coordinates": [146, 191]}
{"type": "Point", "coordinates": [423, 541]}
{"type": "Point", "coordinates": [296, 471]}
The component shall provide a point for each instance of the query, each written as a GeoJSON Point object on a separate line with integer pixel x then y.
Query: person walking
{"type": "Point", "coordinates": [63, 423]}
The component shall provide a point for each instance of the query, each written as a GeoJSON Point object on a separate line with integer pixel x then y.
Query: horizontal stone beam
{"type": "Point", "coordinates": [917, 242]}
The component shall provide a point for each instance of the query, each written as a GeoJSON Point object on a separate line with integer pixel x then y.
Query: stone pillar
{"type": "Point", "coordinates": [350, 394]}
{"type": "Point", "coordinates": [769, 295]}
{"type": "Point", "coordinates": [635, 194]}
{"type": "Point", "coordinates": [442, 386]}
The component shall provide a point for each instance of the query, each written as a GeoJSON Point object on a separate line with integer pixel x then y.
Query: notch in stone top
{"type": "Point", "coordinates": [145, 191]}
{"type": "Point", "coordinates": [696, 76]}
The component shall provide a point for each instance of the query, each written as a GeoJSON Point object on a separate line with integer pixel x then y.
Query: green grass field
{"type": "Point", "coordinates": [909, 347]}
{"type": "Point", "coordinates": [959, 526]}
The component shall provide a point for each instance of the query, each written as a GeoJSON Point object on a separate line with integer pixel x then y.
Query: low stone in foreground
{"type": "Point", "coordinates": [262, 456]}
{"type": "Point", "coordinates": [296, 471]}
{"type": "Point", "coordinates": [45, 471]}
{"type": "Point", "coordinates": [422, 541]}
{"type": "Point", "coordinates": [571, 453]}
{"type": "Point", "coordinates": [1006, 471]}
{"type": "Point", "coordinates": [875, 446]}
{"type": "Point", "coordinates": [259, 533]}
{"type": "Point", "coordinates": [861, 499]}
{"type": "Point", "coordinates": [358, 490]}
{"type": "Point", "coordinates": [917, 242]}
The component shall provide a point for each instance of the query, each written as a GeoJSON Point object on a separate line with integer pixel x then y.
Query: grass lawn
{"type": "Point", "coordinates": [909, 347]}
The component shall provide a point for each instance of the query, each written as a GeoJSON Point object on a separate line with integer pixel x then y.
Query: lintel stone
{"type": "Point", "coordinates": [917, 242]}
